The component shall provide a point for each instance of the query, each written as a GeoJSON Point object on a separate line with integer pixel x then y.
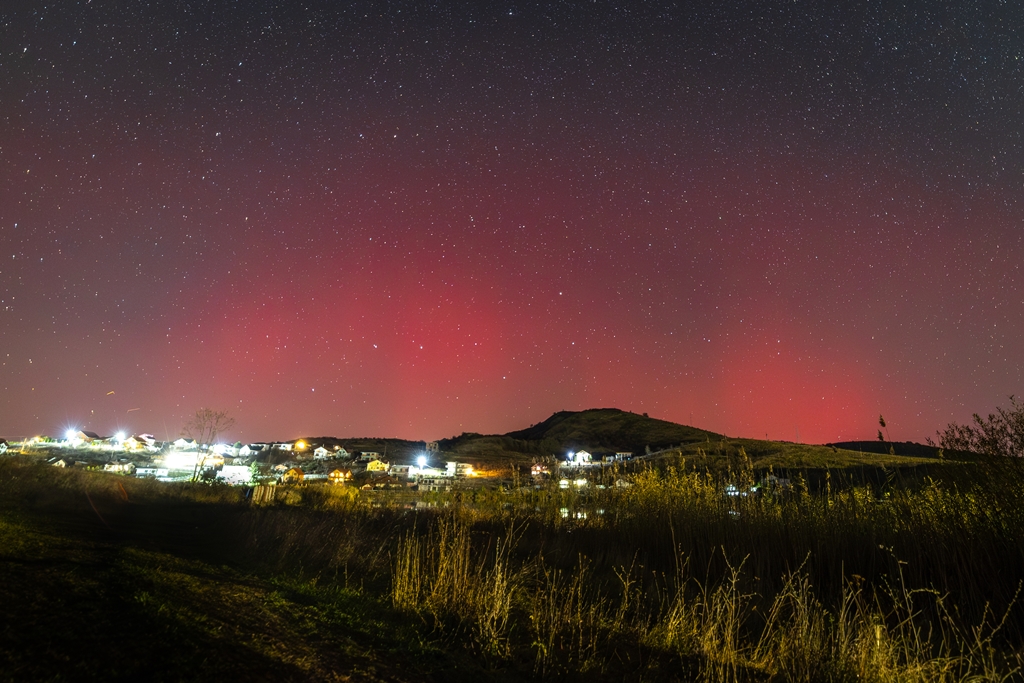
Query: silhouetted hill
{"type": "Point", "coordinates": [611, 429]}
{"type": "Point", "coordinates": [899, 448]}
{"type": "Point", "coordinates": [600, 430]}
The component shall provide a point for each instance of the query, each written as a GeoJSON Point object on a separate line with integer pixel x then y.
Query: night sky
{"type": "Point", "coordinates": [414, 219]}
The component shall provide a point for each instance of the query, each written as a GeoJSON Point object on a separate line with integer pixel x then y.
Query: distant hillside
{"type": "Point", "coordinates": [899, 448]}
{"type": "Point", "coordinates": [600, 430]}
{"type": "Point", "coordinates": [608, 430]}
{"type": "Point", "coordinates": [611, 429]}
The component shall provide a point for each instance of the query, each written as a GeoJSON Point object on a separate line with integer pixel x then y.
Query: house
{"type": "Point", "coordinates": [183, 444]}
{"type": "Point", "coordinates": [458, 469]}
{"type": "Point", "coordinates": [367, 456]}
{"type": "Point", "coordinates": [251, 449]}
{"type": "Point", "coordinates": [3, 446]}
{"type": "Point", "coordinates": [579, 458]}
{"type": "Point", "coordinates": [339, 476]}
{"type": "Point", "coordinates": [771, 480]}
{"type": "Point", "coordinates": [224, 449]}
{"type": "Point", "coordinates": [539, 470]}
{"type": "Point", "coordinates": [433, 447]}
{"type": "Point", "coordinates": [120, 467]}
{"type": "Point", "coordinates": [376, 466]}
{"type": "Point", "coordinates": [151, 472]}
{"type": "Point", "coordinates": [400, 470]}
{"type": "Point", "coordinates": [133, 443]}
{"type": "Point", "coordinates": [624, 455]}
{"type": "Point", "coordinates": [322, 453]}
{"type": "Point", "coordinates": [82, 436]}
{"type": "Point", "coordinates": [293, 476]}
{"type": "Point", "coordinates": [386, 482]}
{"type": "Point", "coordinates": [433, 483]}
{"type": "Point", "coordinates": [340, 452]}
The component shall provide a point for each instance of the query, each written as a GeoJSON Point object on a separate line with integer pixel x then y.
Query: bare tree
{"type": "Point", "coordinates": [1000, 434]}
{"type": "Point", "coordinates": [206, 424]}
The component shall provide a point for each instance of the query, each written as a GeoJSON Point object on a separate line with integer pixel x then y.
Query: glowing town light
{"type": "Point", "coordinates": [421, 461]}
{"type": "Point", "coordinates": [119, 437]}
{"type": "Point", "coordinates": [183, 461]}
{"type": "Point", "coordinates": [300, 445]}
{"type": "Point", "coordinates": [70, 434]}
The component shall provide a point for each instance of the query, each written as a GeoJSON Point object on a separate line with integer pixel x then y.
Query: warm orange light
{"type": "Point", "coordinates": [300, 445]}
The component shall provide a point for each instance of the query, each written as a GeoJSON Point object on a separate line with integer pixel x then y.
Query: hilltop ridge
{"type": "Point", "coordinates": [611, 428]}
{"type": "Point", "coordinates": [599, 430]}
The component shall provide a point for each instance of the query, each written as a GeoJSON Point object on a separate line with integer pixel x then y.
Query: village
{"type": "Point", "coordinates": [299, 462]}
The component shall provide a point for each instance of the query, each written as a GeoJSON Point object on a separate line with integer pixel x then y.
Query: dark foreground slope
{"type": "Point", "coordinates": [669, 578]}
{"type": "Point", "coordinates": [105, 578]}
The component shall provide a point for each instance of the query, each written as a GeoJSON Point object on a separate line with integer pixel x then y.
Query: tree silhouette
{"type": "Point", "coordinates": [1001, 434]}
{"type": "Point", "coordinates": [206, 425]}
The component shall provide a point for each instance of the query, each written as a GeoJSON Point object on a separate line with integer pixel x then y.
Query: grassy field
{"type": "Point", "coordinates": [671, 571]}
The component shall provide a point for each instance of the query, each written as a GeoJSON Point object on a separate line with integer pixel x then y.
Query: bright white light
{"type": "Point", "coordinates": [119, 436]}
{"type": "Point", "coordinates": [421, 461]}
{"type": "Point", "coordinates": [182, 461]}
{"type": "Point", "coordinates": [70, 434]}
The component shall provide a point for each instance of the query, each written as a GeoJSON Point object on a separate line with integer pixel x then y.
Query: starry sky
{"type": "Point", "coordinates": [414, 219]}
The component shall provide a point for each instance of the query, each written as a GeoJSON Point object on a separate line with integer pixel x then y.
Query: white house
{"type": "Point", "coordinates": [120, 467]}
{"type": "Point", "coordinates": [368, 456]}
{"type": "Point", "coordinates": [425, 483]}
{"type": "Point", "coordinates": [579, 458]}
{"type": "Point", "coordinates": [458, 469]}
{"type": "Point", "coordinates": [250, 450]}
{"type": "Point", "coordinates": [183, 444]}
{"type": "Point", "coordinates": [151, 472]}
{"type": "Point", "coordinates": [322, 454]}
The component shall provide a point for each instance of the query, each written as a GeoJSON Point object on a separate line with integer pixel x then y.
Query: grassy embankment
{"type": "Point", "coordinates": [666, 579]}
